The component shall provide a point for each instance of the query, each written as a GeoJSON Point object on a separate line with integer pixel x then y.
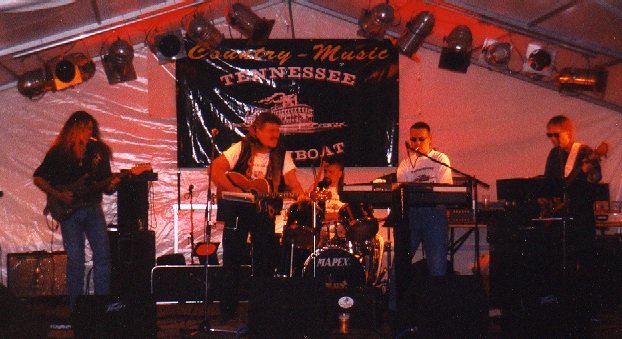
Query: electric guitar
{"type": "Point", "coordinates": [61, 211]}
{"type": "Point", "coordinates": [550, 207]}
{"type": "Point", "coordinates": [599, 152]}
{"type": "Point", "coordinates": [258, 191]}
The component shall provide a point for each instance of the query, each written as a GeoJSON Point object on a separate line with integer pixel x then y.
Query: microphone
{"type": "Point", "coordinates": [190, 189]}
{"type": "Point", "coordinates": [214, 132]}
{"type": "Point", "coordinates": [408, 148]}
{"type": "Point", "coordinates": [92, 139]}
{"type": "Point", "coordinates": [324, 183]}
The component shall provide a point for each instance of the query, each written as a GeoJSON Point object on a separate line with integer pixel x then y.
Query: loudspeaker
{"type": "Point", "coordinates": [454, 306]}
{"type": "Point", "coordinates": [287, 308]}
{"type": "Point", "coordinates": [532, 295]}
{"type": "Point", "coordinates": [108, 316]}
{"type": "Point", "coordinates": [186, 283]}
{"type": "Point", "coordinates": [133, 206]}
{"type": "Point", "coordinates": [133, 258]}
{"type": "Point", "coordinates": [17, 320]}
{"type": "Point", "coordinates": [363, 307]}
{"type": "Point", "coordinates": [36, 274]}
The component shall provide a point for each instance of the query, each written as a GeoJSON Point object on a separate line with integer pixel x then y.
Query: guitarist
{"type": "Point", "coordinates": [259, 155]}
{"type": "Point", "coordinates": [575, 165]}
{"type": "Point", "coordinates": [78, 158]}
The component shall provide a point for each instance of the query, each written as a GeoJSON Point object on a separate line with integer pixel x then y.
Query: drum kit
{"type": "Point", "coordinates": [342, 253]}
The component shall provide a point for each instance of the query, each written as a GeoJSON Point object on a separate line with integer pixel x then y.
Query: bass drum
{"type": "Point", "coordinates": [336, 268]}
{"type": "Point", "coordinates": [359, 222]}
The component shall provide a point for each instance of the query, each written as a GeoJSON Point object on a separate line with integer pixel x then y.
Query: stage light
{"type": "Point", "coordinates": [539, 60]}
{"type": "Point", "coordinates": [417, 29]}
{"type": "Point", "coordinates": [203, 33]}
{"type": "Point", "coordinates": [496, 54]}
{"type": "Point", "coordinates": [373, 23]}
{"type": "Point", "coordinates": [70, 70]}
{"type": "Point", "coordinates": [574, 79]}
{"type": "Point", "coordinates": [257, 30]}
{"type": "Point", "coordinates": [34, 84]}
{"type": "Point", "coordinates": [118, 62]}
{"type": "Point", "coordinates": [457, 55]}
{"type": "Point", "coordinates": [168, 46]}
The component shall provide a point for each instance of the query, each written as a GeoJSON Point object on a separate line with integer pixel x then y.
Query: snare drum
{"type": "Point", "coordinates": [336, 268]}
{"type": "Point", "coordinates": [359, 222]}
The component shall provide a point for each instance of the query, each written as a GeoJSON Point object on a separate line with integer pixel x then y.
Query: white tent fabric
{"type": "Point", "coordinates": [490, 125]}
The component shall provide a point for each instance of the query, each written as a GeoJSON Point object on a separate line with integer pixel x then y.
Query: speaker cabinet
{"type": "Point", "coordinates": [287, 308]}
{"type": "Point", "coordinates": [187, 283]}
{"type": "Point", "coordinates": [454, 306]}
{"type": "Point", "coordinates": [17, 319]}
{"type": "Point", "coordinates": [133, 258]}
{"type": "Point", "coordinates": [133, 206]}
{"type": "Point", "coordinates": [107, 316]}
{"type": "Point", "coordinates": [362, 306]}
{"type": "Point", "coordinates": [36, 274]}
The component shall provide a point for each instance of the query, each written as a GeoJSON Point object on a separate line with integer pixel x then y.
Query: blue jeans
{"type": "Point", "coordinates": [86, 222]}
{"type": "Point", "coordinates": [428, 226]}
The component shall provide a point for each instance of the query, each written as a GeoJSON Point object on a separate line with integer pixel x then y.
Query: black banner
{"type": "Point", "coordinates": [335, 97]}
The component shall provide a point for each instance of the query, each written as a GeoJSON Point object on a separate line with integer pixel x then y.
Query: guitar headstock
{"type": "Point", "coordinates": [140, 168]}
{"type": "Point", "coordinates": [601, 150]}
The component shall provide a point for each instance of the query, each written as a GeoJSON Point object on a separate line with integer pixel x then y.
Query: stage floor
{"type": "Point", "coordinates": [187, 321]}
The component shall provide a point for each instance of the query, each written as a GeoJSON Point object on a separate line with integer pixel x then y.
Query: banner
{"type": "Point", "coordinates": [335, 98]}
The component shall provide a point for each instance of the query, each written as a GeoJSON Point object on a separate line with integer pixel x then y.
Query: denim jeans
{"type": "Point", "coordinates": [428, 226]}
{"type": "Point", "coordinates": [86, 222]}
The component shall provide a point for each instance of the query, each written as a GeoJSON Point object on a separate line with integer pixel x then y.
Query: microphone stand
{"type": "Point", "coordinates": [205, 326]}
{"type": "Point", "coordinates": [474, 182]}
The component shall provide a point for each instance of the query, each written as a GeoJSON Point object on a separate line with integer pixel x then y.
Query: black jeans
{"type": "Point", "coordinates": [240, 220]}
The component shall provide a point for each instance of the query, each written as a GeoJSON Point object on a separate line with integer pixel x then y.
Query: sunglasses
{"type": "Point", "coordinates": [552, 135]}
{"type": "Point", "coordinates": [417, 139]}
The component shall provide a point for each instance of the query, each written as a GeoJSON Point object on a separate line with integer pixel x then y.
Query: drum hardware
{"type": "Point", "coordinates": [359, 222]}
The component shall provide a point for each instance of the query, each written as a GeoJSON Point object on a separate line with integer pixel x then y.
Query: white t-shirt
{"type": "Point", "coordinates": [260, 162]}
{"type": "Point", "coordinates": [421, 169]}
{"type": "Point", "coordinates": [334, 204]}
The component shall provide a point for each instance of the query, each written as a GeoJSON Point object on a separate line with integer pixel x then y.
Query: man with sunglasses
{"type": "Point", "coordinates": [428, 224]}
{"type": "Point", "coordinates": [578, 169]}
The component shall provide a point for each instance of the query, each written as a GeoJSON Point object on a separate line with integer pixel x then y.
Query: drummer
{"type": "Point", "coordinates": [333, 182]}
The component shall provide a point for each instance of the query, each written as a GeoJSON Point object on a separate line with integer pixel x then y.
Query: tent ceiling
{"type": "Point", "coordinates": [586, 34]}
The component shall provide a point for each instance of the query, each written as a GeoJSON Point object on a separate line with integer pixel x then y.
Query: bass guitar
{"type": "Point", "coordinates": [60, 211]}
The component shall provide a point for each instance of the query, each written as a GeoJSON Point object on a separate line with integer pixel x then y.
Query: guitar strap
{"type": "Point", "coordinates": [572, 157]}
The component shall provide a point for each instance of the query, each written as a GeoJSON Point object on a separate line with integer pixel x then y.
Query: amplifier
{"type": "Point", "coordinates": [35, 274]}
{"type": "Point", "coordinates": [460, 216]}
{"type": "Point", "coordinates": [183, 283]}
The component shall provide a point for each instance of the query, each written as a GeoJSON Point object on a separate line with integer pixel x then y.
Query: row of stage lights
{"type": "Point", "coordinates": [63, 72]}
{"type": "Point", "coordinates": [456, 56]}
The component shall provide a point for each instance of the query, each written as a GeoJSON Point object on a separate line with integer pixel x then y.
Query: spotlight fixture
{"type": "Point", "coordinates": [539, 60]}
{"type": "Point", "coordinates": [168, 46]}
{"type": "Point", "coordinates": [457, 55]}
{"type": "Point", "coordinates": [496, 54]}
{"type": "Point", "coordinates": [574, 79]}
{"type": "Point", "coordinates": [118, 62]}
{"type": "Point", "coordinates": [373, 23]}
{"type": "Point", "coordinates": [257, 30]}
{"type": "Point", "coordinates": [203, 33]}
{"type": "Point", "coordinates": [417, 29]}
{"type": "Point", "coordinates": [70, 70]}
{"type": "Point", "coordinates": [34, 84]}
